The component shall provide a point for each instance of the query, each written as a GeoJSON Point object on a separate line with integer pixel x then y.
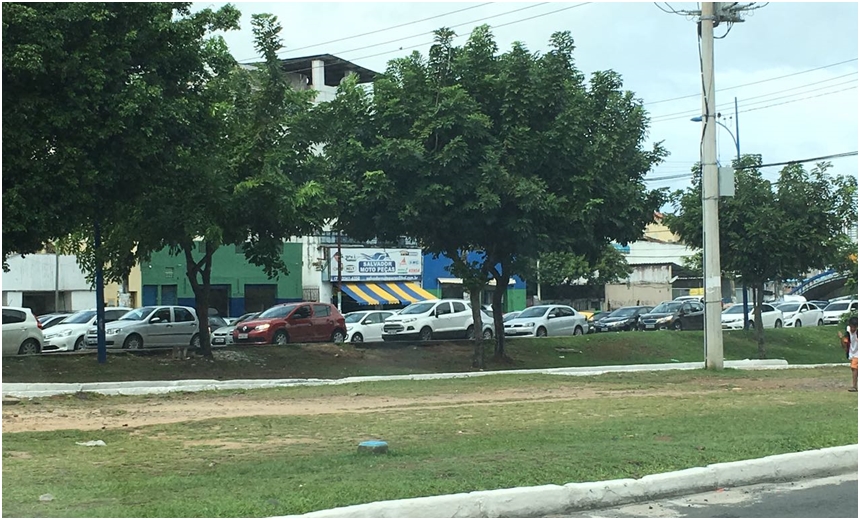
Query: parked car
{"type": "Point", "coordinates": [216, 322]}
{"type": "Point", "coordinates": [821, 304]}
{"type": "Point", "coordinates": [435, 319]}
{"type": "Point", "coordinates": [625, 318]}
{"type": "Point", "coordinates": [676, 314]}
{"type": "Point", "coordinates": [508, 316]}
{"type": "Point", "coordinates": [293, 322]}
{"type": "Point", "coordinates": [592, 317]}
{"type": "Point", "coordinates": [801, 314]}
{"type": "Point", "coordinates": [51, 319]}
{"type": "Point", "coordinates": [733, 317]}
{"type": "Point", "coordinates": [71, 333]}
{"type": "Point", "coordinates": [22, 332]}
{"type": "Point", "coordinates": [224, 335]}
{"type": "Point", "coordinates": [364, 326]}
{"type": "Point", "coordinates": [152, 326]}
{"type": "Point", "coordinates": [699, 299]}
{"type": "Point", "coordinates": [834, 311]}
{"type": "Point", "coordinates": [547, 320]}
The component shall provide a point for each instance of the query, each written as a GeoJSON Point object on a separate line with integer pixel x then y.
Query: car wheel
{"type": "Point", "coordinates": [577, 331]}
{"type": "Point", "coordinates": [541, 332]}
{"type": "Point", "coordinates": [820, 323]}
{"type": "Point", "coordinates": [280, 338]}
{"type": "Point", "coordinates": [79, 344]}
{"type": "Point", "coordinates": [798, 324]}
{"type": "Point", "coordinates": [337, 336]}
{"type": "Point", "coordinates": [357, 338]}
{"type": "Point", "coordinates": [677, 325]}
{"type": "Point", "coordinates": [29, 347]}
{"type": "Point", "coordinates": [488, 334]}
{"type": "Point", "coordinates": [777, 325]}
{"type": "Point", "coordinates": [470, 332]}
{"type": "Point", "coordinates": [195, 342]}
{"type": "Point", "coordinates": [133, 342]}
{"type": "Point", "coordinates": [426, 334]}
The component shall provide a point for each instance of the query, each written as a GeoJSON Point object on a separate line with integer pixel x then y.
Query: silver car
{"type": "Point", "coordinates": [155, 326]}
{"type": "Point", "coordinates": [547, 320]}
{"type": "Point", "coordinates": [224, 335]}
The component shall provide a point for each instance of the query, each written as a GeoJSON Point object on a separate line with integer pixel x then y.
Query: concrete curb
{"type": "Point", "coordinates": [545, 500]}
{"type": "Point", "coordinates": [30, 390]}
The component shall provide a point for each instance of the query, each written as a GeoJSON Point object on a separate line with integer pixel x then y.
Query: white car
{"type": "Point", "coordinates": [71, 333]}
{"type": "Point", "coordinates": [435, 319]}
{"type": "Point", "coordinates": [733, 317]}
{"type": "Point", "coordinates": [224, 335]}
{"type": "Point", "coordinates": [834, 311]}
{"type": "Point", "coordinates": [364, 326]}
{"type": "Point", "coordinates": [22, 332]}
{"type": "Point", "coordinates": [547, 320]}
{"type": "Point", "coordinates": [795, 314]}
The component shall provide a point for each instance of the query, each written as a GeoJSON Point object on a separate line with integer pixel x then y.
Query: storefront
{"type": "Point", "coordinates": [378, 278]}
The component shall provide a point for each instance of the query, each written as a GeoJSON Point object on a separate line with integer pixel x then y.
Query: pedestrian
{"type": "Point", "coordinates": [849, 342]}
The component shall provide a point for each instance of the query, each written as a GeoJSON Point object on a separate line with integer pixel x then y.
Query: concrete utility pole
{"type": "Point", "coordinates": [710, 196]}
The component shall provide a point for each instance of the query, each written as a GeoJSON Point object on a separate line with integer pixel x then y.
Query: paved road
{"type": "Point", "coordinates": [832, 497]}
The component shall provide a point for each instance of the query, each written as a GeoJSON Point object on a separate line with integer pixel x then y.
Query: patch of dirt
{"type": "Point", "coordinates": [235, 445]}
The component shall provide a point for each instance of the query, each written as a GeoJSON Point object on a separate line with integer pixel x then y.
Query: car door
{"type": "Point", "coordinates": [768, 316]}
{"type": "Point", "coordinates": [442, 321]}
{"type": "Point", "coordinates": [184, 326]}
{"type": "Point", "coordinates": [554, 325]}
{"type": "Point", "coordinates": [372, 325]}
{"type": "Point", "coordinates": [323, 323]}
{"type": "Point", "coordinates": [460, 316]}
{"type": "Point", "coordinates": [300, 324]}
{"type": "Point", "coordinates": [566, 321]}
{"type": "Point", "coordinates": [692, 316]}
{"type": "Point", "coordinates": [158, 329]}
{"type": "Point", "coordinates": [14, 331]}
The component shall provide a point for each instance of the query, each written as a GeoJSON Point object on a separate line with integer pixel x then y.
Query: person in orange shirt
{"type": "Point", "coordinates": [849, 342]}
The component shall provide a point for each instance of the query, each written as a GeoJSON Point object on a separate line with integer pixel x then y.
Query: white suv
{"type": "Point", "coordinates": [22, 332]}
{"type": "Point", "coordinates": [435, 319]}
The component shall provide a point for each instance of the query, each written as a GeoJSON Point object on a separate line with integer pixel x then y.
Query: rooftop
{"type": "Point", "coordinates": [335, 68]}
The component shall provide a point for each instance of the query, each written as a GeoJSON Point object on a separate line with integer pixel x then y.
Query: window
{"type": "Point", "coordinates": [322, 310]}
{"type": "Point", "coordinates": [564, 311]}
{"type": "Point", "coordinates": [113, 315]}
{"type": "Point", "coordinates": [13, 316]}
{"type": "Point", "coordinates": [687, 308]}
{"type": "Point", "coordinates": [443, 308]}
{"type": "Point", "coordinates": [458, 307]}
{"type": "Point", "coordinates": [163, 313]}
{"type": "Point", "coordinates": [697, 307]}
{"type": "Point", "coordinates": [302, 312]}
{"type": "Point", "coordinates": [373, 318]}
{"type": "Point", "coordinates": [280, 311]}
{"type": "Point", "coordinates": [182, 314]}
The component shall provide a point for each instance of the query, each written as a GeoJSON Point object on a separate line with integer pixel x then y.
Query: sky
{"type": "Point", "coordinates": [791, 65]}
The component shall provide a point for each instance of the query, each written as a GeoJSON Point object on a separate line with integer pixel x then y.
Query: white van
{"type": "Point", "coordinates": [435, 319]}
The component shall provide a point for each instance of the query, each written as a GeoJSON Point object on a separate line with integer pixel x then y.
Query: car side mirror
{"type": "Point", "coordinates": [155, 320]}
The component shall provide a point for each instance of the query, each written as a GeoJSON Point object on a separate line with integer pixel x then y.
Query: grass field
{"type": "Point", "coordinates": [797, 346]}
{"type": "Point", "coordinates": [293, 450]}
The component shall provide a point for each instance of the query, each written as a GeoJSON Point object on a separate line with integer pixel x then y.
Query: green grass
{"type": "Point", "coordinates": [799, 346]}
{"type": "Point", "coordinates": [295, 464]}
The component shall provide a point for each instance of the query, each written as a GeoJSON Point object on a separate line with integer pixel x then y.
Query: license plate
{"type": "Point", "coordinates": [649, 326]}
{"type": "Point", "coordinates": [218, 341]}
{"type": "Point", "coordinates": [243, 336]}
{"type": "Point", "coordinates": [603, 329]}
{"type": "Point", "coordinates": [92, 342]}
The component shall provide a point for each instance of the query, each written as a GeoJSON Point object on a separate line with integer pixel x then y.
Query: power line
{"type": "Point", "coordinates": [729, 104]}
{"type": "Point", "coordinates": [801, 99]}
{"type": "Point", "coordinates": [754, 82]}
{"type": "Point", "coordinates": [380, 30]}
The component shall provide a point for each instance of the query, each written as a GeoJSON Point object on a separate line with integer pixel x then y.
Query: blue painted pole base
{"type": "Point", "coordinates": [375, 447]}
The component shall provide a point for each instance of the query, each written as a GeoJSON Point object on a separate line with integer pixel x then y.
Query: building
{"type": "Point", "coordinates": [438, 280]}
{"type": "Point", "coordinates": [36, 280]}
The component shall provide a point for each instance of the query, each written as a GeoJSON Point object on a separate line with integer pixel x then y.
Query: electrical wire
{"type": "Point", "coordinates": [754, 82]}
{"type": "Point", "coordinates": [381, 30]}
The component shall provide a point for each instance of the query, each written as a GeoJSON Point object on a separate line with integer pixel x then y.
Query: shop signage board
{"type": "Point", "coordinates": [376, 264]}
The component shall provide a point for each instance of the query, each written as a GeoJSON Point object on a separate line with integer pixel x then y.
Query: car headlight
{"type": "Point", "coordinates": [264, 326]}
{"type": "Point", "coordinates": [530, 324]}
{"type": "Point", "coordinates": [111, 332]}
{"type": "Point", "coordinates": [409, 320]}
{"type": "Point", "coordinates": [66, 333]}
{"type": "Point", "coordinates": [667, 319]}
{"type": "Point", "coordinates": [50, 336]}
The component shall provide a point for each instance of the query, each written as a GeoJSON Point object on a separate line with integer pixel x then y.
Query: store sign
{"type": "Point", "coordinates": [375, 265]}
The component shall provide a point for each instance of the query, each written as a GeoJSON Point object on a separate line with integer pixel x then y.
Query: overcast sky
{"type": "Point", "coordinates": [811, 113]}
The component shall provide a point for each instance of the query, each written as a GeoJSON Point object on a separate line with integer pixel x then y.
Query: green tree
{"type": "Point", "coordinates": [773, 231]}
{"type": "Point", "coordinates": [93, 97]}
{"type": "Point", "coordinates": [509, 155]}
{"type": "Point", "coordinates": [246, 175]}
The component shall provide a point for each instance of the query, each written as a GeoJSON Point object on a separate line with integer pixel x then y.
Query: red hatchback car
{"type": "Point", "coordinates": [293, 322]}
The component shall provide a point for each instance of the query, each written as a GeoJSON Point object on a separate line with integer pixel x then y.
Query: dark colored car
{"type": "Point", "coordinates": [625, 318]}
{"type": "Point", "coordinates": [293, 322]}
{"type": "Point", "coordinates": [677, 315]}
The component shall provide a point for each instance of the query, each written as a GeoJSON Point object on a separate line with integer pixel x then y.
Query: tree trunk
{"type": "Point", "coordinates": [201, 290]}
{"type": "Point", "coordinates": [498, 310]}
{"type": "Point", "coordinates": [478, 326]}
{"type": "Point", "coordinates": [759, 326]}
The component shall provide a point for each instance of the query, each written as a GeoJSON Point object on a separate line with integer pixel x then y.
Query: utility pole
{"type": "Point", "coordinates": [710, 196]}
{"type": "Point", "coordinates": [738, 147]}
{"type": "Point", "coordinates": [339, 274]}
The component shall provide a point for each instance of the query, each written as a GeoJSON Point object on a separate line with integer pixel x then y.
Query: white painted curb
{"type": "Point", "coordinates": [545, 500]}
{"type": "Point", "coordinates": [29, 390]}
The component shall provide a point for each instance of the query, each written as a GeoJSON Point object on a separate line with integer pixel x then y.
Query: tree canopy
{"type": "Point", "coordinates": [509, 155]}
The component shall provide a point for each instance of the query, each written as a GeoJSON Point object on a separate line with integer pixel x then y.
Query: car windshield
{"type": "Point", "coordinates": [533, 312]}
{"type": "Point", "coordinates": [735, 309]}
{"type": "Point", "coordinates": [667, 307]}
{"type": "Point", "coordinates": [418, 308]}
{"type": "Point", "coordinates": [79, 317]}
{"type": "Point", "coordinates": [511, 316]}
{"type": "Point", "coordinates": [788, 307]}
{"type": "Point", "coordinates": [217, 321]}
{"type": "Point", "coordinates": [841, 306]}
{"type": "Point", "coordinates": [249, 316]}
{"type": "Point", "coordinates": [277, 312]}
{"type": "Point", "coordinates": [137, 314]}
{"type": "Point", "coordinates": [623, 312]}
{"type": "Point", "coordinates": [354, 317]}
